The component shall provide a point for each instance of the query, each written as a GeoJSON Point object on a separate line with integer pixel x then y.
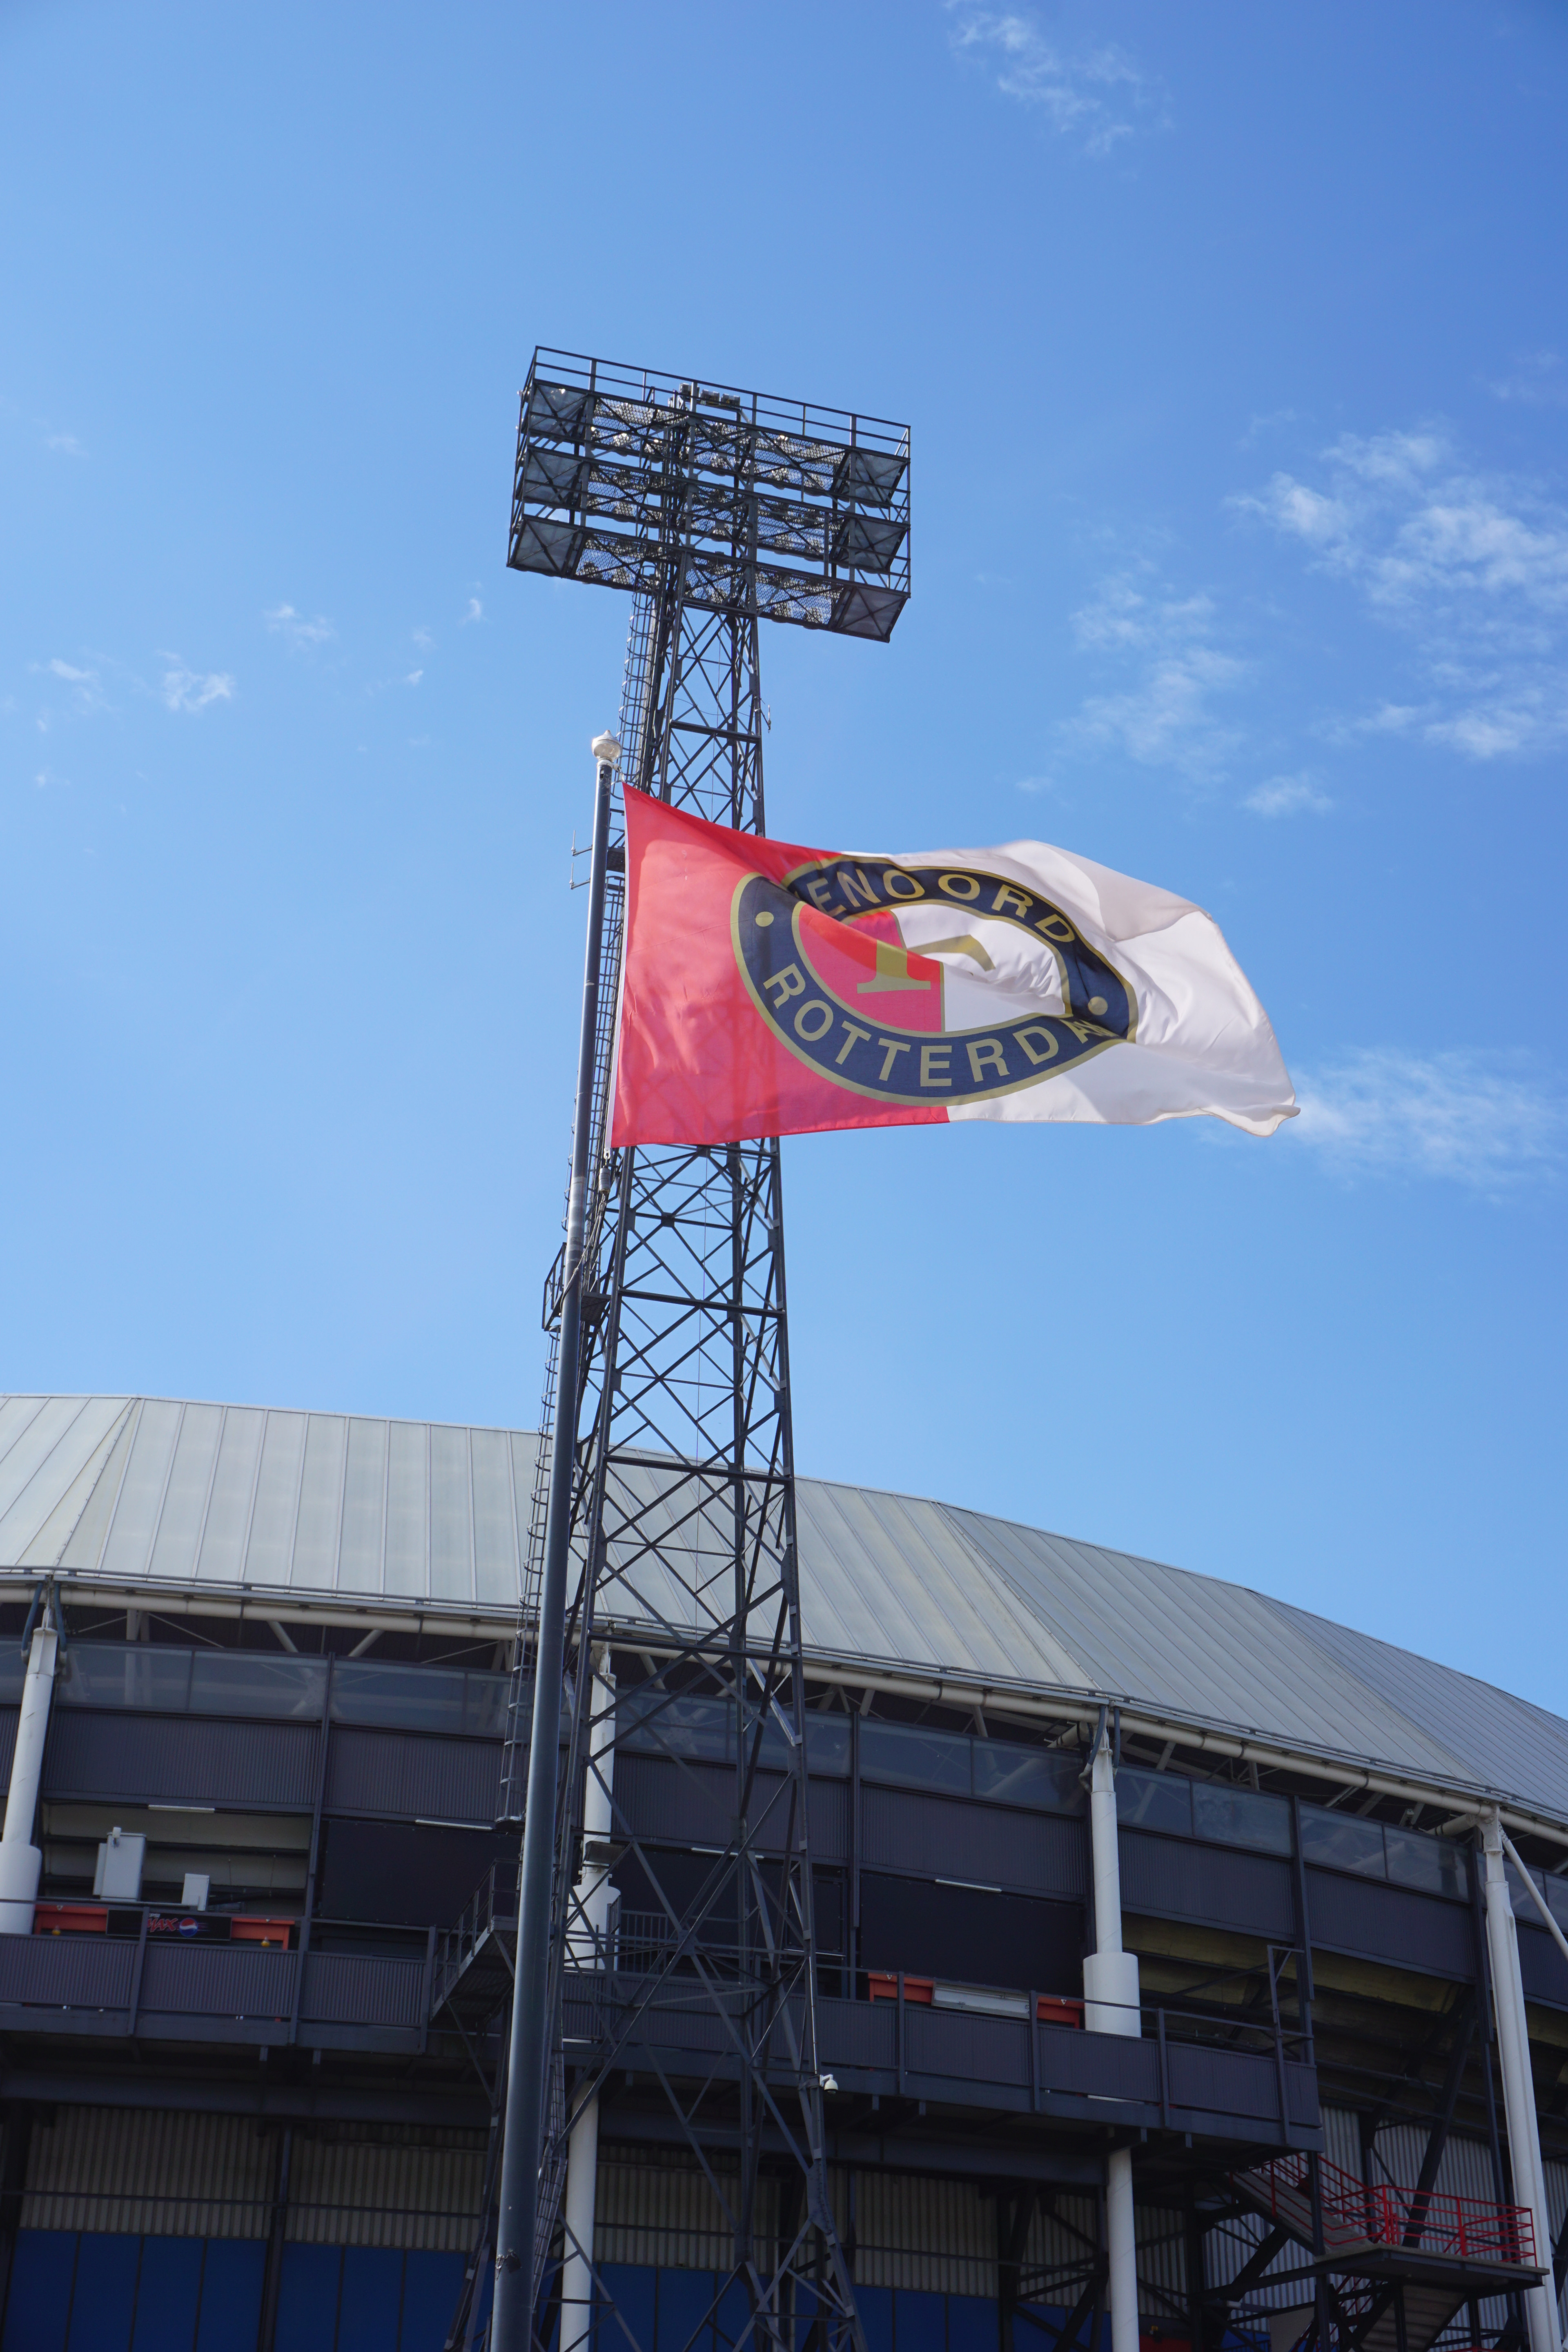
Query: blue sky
{"type": "Point", "coordinates": [1233, 341]}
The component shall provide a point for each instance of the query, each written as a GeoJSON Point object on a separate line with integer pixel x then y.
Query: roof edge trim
{"type": "Point", "coordinates": [854, 1673]}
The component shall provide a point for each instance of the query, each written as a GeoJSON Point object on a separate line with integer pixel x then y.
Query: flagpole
{"type": "Point", "coordinates": [512, 2323]}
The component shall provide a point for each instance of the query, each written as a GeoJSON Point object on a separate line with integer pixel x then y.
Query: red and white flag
{"type": "Point", "coordinates": [772, 990]}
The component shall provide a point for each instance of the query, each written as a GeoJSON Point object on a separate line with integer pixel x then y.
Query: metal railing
{"type": "Point", "coordinates": [636, 1943]}
{"type": "Point", "coordinates": [1212, 2027]}
{"type": "Point", "coordinates": [492, 1907]}
{"type": "Point", "coordinates": [1433, 2221]}
{"type": "Point", "coordinates": [139, 1970]}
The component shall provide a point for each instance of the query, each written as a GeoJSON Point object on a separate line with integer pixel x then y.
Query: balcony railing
{"type": "Point", "coordinates": [1183, 2071]}
{"type": "Point", "coordinates": [117, 1969]}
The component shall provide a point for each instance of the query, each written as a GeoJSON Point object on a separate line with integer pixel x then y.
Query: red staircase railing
{"type": "Point", "coordinates": [1465, 2229]}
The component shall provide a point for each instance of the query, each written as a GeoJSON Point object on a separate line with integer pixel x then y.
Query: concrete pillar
{"type": "Point", "coordinates": [585, 1945]}
{"type": "Point", "coordinates": [1110, 2006]}
{"type": "Point", "coordinates": [20, 1861]}
{"type": "Point", "coordinates": [1518, 2083]}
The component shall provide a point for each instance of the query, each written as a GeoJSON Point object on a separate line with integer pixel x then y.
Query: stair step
{"type": "Point", "coordinates": [1427, 2311]}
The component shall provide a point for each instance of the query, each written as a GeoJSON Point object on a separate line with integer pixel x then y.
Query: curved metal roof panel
{"type": "Point", "coordinates": [147, 1491]}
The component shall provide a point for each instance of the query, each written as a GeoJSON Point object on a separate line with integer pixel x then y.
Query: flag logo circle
{"type": "Point", "coordinates": [824, 965]}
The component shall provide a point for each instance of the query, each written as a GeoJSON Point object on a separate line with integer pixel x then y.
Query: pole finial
{"type": "Point", "coordinates": [606, 749]}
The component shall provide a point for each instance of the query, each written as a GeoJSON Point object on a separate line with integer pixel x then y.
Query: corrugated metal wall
{"type": "Point", "coordinates": [1161, 2263]}
{"type": "Point", "coordinates": [354, 2194]}
{"type": "Point", "coordinates": [385, 1773]}
{"type": "Point", "coordinates": [141, 2171]}
{"type": "Point", "coordinates": [668, 2216]}
{"type": "Point", "coordinates": [911, 2230]}
{"type": "Point", "coordinates": [918, 2232]}
{"type": "Point", "coordinates": [1059, 2244]}
{"type": "Point", "coordinates": [163, 2175]}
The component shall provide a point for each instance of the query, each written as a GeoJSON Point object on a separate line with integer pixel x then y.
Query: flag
{"type": "Point", "coordinates": [768, 989]}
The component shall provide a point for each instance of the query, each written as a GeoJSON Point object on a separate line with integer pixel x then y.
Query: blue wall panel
{"type": "Point", "coordinates": [308, 2297]}
{"type": "Point", "coordinates": [168, 2291]}
{"type": "Point", "coordinates": [372, 2298]}
{"type": "Point", "coordinates": [104, 2301]}
{"type": "Point", "coordinates": [120, 2294]}
{"type": "Point", "coordinates": [38, 2308]}
{"type": "Point", "coordinates": [973, 2325]}
{"type": "Point", "coordinates": [877, 2317]}
{"type": "Point", "coordinates": [920, 2321]}
{"type": "Point", "coordinates": [633, 2288]}
{"type": "Point", "coordinates": [685, 2305]}
{"type": "Point", "coordinates": [431, 2286]}
{"type": "Point", "coordinates": [231, 2294]}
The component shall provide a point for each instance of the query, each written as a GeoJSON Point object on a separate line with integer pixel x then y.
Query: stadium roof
{"type": "Point", "coordinates": [290, 1512]}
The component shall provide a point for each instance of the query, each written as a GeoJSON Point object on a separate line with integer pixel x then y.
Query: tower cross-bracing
{"type": "Point", "coordinates": [717, 509]}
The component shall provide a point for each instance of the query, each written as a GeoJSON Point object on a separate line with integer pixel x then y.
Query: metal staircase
{"type": "Point", "coordinates": [1401, 2263]}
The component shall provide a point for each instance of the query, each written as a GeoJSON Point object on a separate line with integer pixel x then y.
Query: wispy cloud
{"type": "Point", "coordinates": [187, 689]}
{"type": "Point", "coordinates": [1473, 567]}
{"type": "Point", "coordinates": [296, 630]}
{"type": "Point", "coordinates": [64, 444]}
{"type": "Point", "coordinates": [1287, 796]}
{"type": "Point", "coordinates": [1164, 644]}
{"type": "Point", "coordinates": [413, 678]}
{"type": "Point", "coordinates": [1490, 1121]}
{"type": "Point", "coordinates": [86, 687]}
{"type": "Point", "coordinates": [476, 612]}
{"type": "Point", "coordinates": [1273, 420]}
{"type": "Point", "coordinates": [1094, 98]}
{"type": "Point", "coordinates": [1539, 380]}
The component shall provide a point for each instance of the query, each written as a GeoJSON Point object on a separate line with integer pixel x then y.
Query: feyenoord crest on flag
{"type": "Point", "coordinates": [769, 989]}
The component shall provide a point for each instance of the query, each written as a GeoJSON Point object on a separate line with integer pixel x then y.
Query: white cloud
{"type": "Point", "coordinates": [422, 639]}
{"type": "Point", "coordinates": [1486, 1120]}
{"type": "Point", "coordinates": [1089, 98]}
{"type": "Point", "coordinates": [1287, 796]}
{"type": "Point", "coordinates": [476, 612]}
{"type": "Point", "coordinates": [298, 632]}
{"type": "Point", "coordinates": [186, 690]}
{"type": "Point", "coordinates": [65, 444]}
{"type": "Point", "coordinates": [414, 677]}
{"type": "Point", "coordinates": [1472, 567]}
{"type": "Point", "coordinates": [1164, 716]}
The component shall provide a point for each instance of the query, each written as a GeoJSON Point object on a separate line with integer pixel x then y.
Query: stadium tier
{"type": "Point", "coordinates": [254, 1696]}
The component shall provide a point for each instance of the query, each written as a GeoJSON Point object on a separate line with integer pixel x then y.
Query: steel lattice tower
{"type": "Point", "coordinates": [683, 1635]}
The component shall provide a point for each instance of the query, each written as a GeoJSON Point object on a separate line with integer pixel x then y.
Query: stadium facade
{"type": "Point", "coordinates": [1128, 1883]}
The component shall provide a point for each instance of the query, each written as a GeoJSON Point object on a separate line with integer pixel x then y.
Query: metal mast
{"type": "Point", "coordinates": [682, 1634]}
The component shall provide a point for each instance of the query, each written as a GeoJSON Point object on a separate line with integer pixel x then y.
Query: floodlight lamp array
{"type": "Point", "coordinates": [769, 508]}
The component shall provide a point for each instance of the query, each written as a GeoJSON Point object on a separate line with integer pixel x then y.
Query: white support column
{"type": "Point", "coordinates": [1518, 2083]}
{"type": "Point", "coordinates": [1110, 2006]}
{"type": "Point", "coordinates": [585, 1945]}
{"type": "Point", "coordinates": [20, 1861]}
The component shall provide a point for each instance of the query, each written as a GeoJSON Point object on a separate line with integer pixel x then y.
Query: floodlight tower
{"type": "Point", "coordinates": [678, 1634]}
